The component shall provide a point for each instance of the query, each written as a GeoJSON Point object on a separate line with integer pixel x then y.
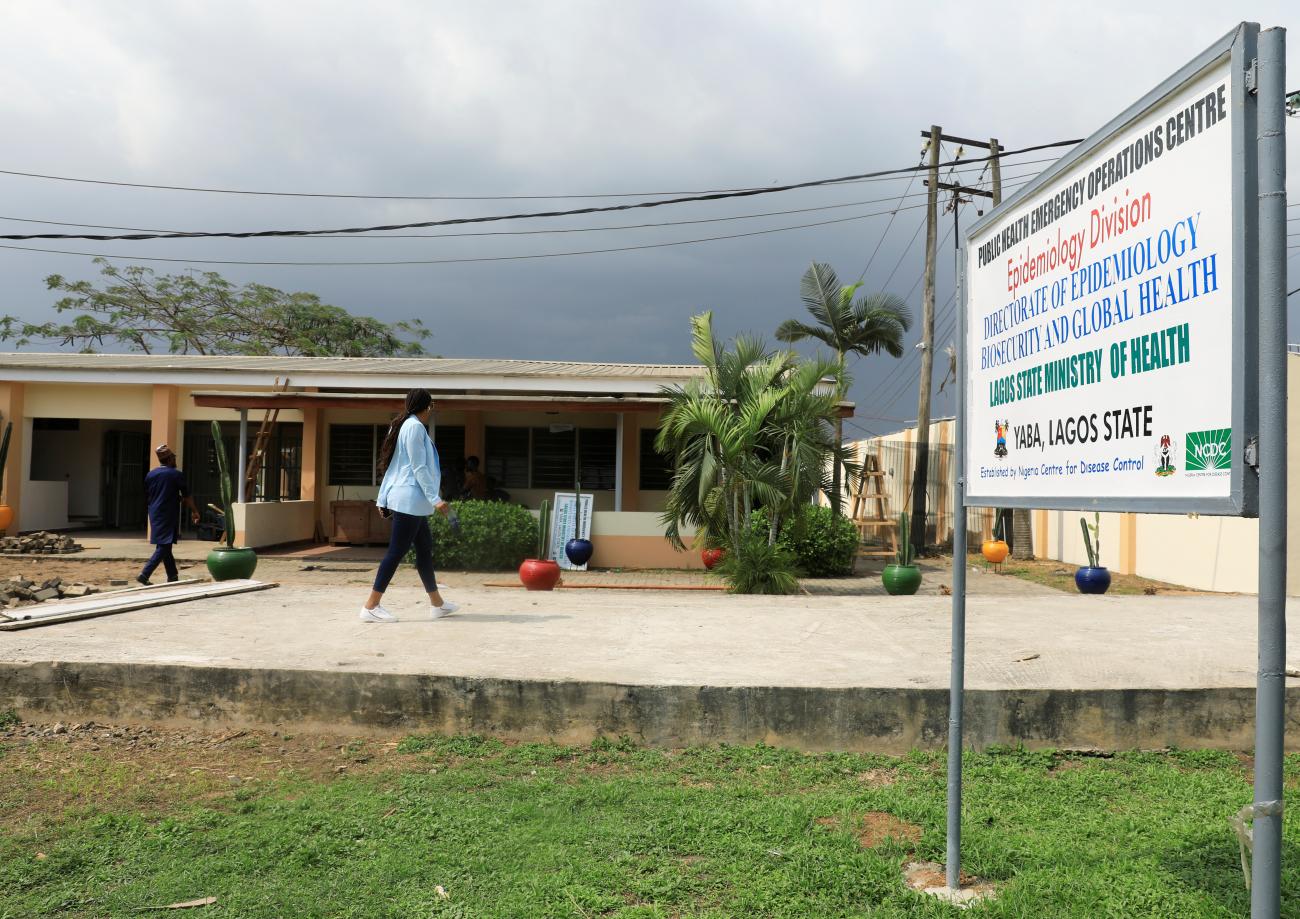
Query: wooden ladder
{"type": "Point", "coordinates": [264, 432]}
{"type": "Point", "coordinates": [870, 510]}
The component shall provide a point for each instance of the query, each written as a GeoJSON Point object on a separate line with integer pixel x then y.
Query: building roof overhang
{"type": "Point", "coordinates": [392, 402]}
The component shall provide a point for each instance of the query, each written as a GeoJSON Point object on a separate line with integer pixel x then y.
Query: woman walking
{"type": "Point", "coordinates": [408, 462]}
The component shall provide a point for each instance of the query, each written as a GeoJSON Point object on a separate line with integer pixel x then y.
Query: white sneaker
{"type": "Point", "coordinates": [378, 614]}
{"type": "Point", "coordinates": [447, 608]}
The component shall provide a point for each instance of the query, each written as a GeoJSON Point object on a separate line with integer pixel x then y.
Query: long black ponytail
{"type": "Point", "coordinates": [417, 400]}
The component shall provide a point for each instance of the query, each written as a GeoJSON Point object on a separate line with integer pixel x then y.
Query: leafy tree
{"type": "Point", "coordinates": [203, 313]}
{"type": "Point", "coordinates": [867, 325]}
{"type": "Point", "coordinates": [757, 430]}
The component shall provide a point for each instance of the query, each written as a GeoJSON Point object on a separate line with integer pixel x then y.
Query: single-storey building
{"type": "Point", "coordinates": [85, 426]}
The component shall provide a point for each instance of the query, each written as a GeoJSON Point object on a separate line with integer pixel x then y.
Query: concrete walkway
{"type": "Point", "coordinates": [670, 668]}
{"type": "Point", "coordinates": [1038, 639]}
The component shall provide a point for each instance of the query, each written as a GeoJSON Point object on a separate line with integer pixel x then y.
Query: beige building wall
{"type": "Point", "coordinates": [76, 400]}
{"type": "Point", "coordinates": [1204, 553]}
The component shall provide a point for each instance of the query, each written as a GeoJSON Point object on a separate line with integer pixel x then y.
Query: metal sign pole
{"type": "Point", "coordinates": [957, 679]}
{"type": "Point", "coordinates": [1270, 696]}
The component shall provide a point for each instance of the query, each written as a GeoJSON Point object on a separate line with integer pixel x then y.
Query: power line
{"type": "Point", "coordinates": [363, 197]}
{"type": "Point", "coordinates": [888, 226]}
{"type": "Point", "coordinates": [942, 242]}
{"type": "Point", "coordinates": [546, 232]}
{"type": "Point", "coordinates": [454, 221]}
{"type": "Point", "coordinates": [446, 261]}
{"type": "Point", "coordinates": [900, 378]}
{"type": "Point", "coordinates": [554, 230]}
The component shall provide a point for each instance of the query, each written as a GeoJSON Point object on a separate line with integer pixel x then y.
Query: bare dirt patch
{"type": "Point", "coordinates": [54, 769]}
{"type": "Point", "coordinates": [878, 778]}
{"type": "Point", "coordinates": [878, 827]}
{"type": "Point", "coordinates": [930, 878]}
{"type": "Point", "coordinates": [1060, 576]}
{"type": "Point", "coordinates": [696, 783]}
{"type": "Point", "coordinates": [100, 572]}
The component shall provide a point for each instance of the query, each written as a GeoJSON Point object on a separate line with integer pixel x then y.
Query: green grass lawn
{"type": "Point", "coordinates": [613, 830]}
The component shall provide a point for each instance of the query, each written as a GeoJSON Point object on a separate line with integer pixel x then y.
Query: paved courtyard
{"type": "Point", "coordinates": [844, 633]}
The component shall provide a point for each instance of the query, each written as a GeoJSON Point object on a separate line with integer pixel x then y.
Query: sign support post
{"type": "Point", "coordinates": [957, 679]}
{"type": "Point", "coordinates": [1270, 693]}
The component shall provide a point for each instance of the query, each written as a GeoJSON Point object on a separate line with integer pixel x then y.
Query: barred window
{"type": "Point", "coordinates": [656, 472]}
{"type": "Point", "coordinates": [554, 459]}
{"type": "Point", "coordinates": [597, 456]}
{"type": "Point", "coordinates": [506, 463]}
{"type": "Point", "coordinates": [352, 454]}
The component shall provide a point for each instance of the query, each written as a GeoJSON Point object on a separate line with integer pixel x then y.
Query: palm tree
{"type": "Point", "coordinates": [870, 324]}
{"type": "Point", "coordinates": [757, 430]}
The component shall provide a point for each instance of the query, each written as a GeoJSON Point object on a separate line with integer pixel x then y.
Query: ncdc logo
{"type": "Point", "coordinates": [1209, 450]}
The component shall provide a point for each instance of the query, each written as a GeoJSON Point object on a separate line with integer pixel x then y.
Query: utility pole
{"type": "Point", "coordinates": [922, 468]}
{"type": "Point", "coordinates": [1022, 533]}
{"type": "Point", "coordinates": [1022, 528]}
{"type": "Point", "coordinates": [921, 471]}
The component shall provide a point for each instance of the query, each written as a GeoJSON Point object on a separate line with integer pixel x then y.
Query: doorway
{"type": "Point", "coordinates": [126, 460]}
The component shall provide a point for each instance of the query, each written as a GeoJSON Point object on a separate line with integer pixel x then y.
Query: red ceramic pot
{"type": "Point", "coordinates": [539, 574]}
{"type": "Point", "coordinates": [711, 557]}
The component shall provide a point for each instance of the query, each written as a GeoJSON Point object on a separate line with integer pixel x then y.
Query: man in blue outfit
{"type": "Point", "coordinates": [166, 491]}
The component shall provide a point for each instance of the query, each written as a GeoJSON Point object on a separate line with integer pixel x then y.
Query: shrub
{"type": "Point", "coordinates": [494, 536]}
{"type": "Point", "coordinates": [824, 544]}
{"type": "Point", "coordinates": [758, 568]}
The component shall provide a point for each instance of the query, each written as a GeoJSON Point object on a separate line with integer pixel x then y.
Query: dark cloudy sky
{"type": "Point", "coordinates": [546, 99]}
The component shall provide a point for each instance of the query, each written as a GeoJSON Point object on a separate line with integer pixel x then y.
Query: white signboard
{"type": "Point", "coordinates": [1100, 367]}
{"type": "Point", "coordinates": [562, 526]}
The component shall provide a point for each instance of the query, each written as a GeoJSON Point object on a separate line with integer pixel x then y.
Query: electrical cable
{"type": "Point", "coordinates": [446, 261]}
{"type": "Point", "coordinates": [455, 221]}
{"type": "Point", "coordinates": [298, 194]}
{"type": "Point", "coordinates": [888, 226]}
{"type": "Point", "coordinates": [632, 226]}
{"type": "Point", "coordinates": [910, 243]}
{"type": "Point", "coordinates": [900, 377]}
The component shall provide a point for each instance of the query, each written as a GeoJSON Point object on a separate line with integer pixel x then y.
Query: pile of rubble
{"type": "Point", "coordinates": [17, 590]}
{"type": "Point", "coordinates": [41, 543]}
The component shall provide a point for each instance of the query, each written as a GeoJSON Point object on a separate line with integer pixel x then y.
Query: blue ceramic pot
{"type": "Point", "coordinates": [579, 550]}
{"type": "Point", "coordinates": [1092, 580]}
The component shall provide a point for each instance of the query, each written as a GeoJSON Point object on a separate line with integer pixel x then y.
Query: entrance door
{"type": "Point", "coordinates": [126, 460]}
{"type": "Point", "coordinates": [202, 475]}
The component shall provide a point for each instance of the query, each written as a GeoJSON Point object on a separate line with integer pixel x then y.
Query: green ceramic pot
{"type": "Point", "coordinates": [225, 564]}
{"type": "Point", "coordinates": [901, 579]}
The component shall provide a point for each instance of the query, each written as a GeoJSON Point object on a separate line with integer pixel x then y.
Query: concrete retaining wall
{"type": "Point", "coordinates": [869, 720]}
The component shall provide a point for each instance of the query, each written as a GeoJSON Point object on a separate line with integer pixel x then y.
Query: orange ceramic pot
{"type": "Point", "coordinates": [6, 517]}
{"type": "Point", "coordinates": [995, 550]}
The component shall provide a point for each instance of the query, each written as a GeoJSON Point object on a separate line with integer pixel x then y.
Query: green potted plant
{"type": "Point", "coordinates": [902, 577]}
{"type": "Point", "coordinates": [541, 573]}
{"type": "Point", "coordinates": [1094, 579]}
{"type": "Point", "coordinates": [228, 563]}
{"type": "Point", "coordinates": [6, 512]}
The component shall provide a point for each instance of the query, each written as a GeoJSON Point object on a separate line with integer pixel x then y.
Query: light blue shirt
{"type": "Point", "coordinates": [414, 476]}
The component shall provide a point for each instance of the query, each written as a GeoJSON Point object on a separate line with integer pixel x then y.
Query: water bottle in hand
{"type": "Point", "coordinates": [453, 519]}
